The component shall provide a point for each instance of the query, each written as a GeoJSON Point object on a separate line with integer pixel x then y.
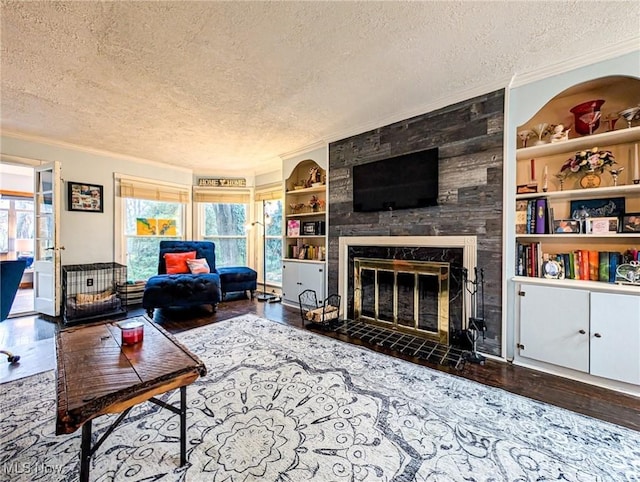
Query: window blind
{"type": "Point", "coordinates": [215, 196]}
{"type": "Point", "coordinates": [269, 194]}
{"type": "Point", "coordinates": [153, 192]}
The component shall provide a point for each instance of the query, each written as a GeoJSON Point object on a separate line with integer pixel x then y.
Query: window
{"type": "Point", "coordinates": [223, 216]}
{"type": "Point", "coordinates": [24, 218]}
{"type": "Point", "coordinates": [273, 240]}
{"type": "Point", "coordinates": [271, 201]}
{"type": "Point", "coordinates": [5, 206]}
{"type": "Point", "coordinates": [16, 224]}
{"type": "Point", "coordinates": [224, 224]}
{"type": "Point", "coordinates": [150, 213]}
{"type": "Point", "coordinates": [142, 244]}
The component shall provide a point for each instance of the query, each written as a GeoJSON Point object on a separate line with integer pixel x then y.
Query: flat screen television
{"type": "Point", "coordinates": [401, 182]}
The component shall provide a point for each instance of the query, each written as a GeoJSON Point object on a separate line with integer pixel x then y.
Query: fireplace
{"type": "Point", "coordinates": [405, 295]}
{"type": "Point", "coordinates": [411, 284]}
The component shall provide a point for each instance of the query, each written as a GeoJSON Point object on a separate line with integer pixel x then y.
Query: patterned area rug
{"type": "Point", "coordinates": [283, 404]}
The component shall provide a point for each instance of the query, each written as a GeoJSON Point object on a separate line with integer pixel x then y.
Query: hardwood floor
{"type": "Point", "coordinates": [579, 397]}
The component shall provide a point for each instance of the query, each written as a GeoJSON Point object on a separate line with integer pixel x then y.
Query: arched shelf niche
{"type": "Point", "coordinates": [618, 92]}
{"type": "Point", "coordinates": [301, 172]}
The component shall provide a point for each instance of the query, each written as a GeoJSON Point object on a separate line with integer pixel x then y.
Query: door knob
{"type": "Point", "coordinates": [582, 332]}
{"type": "Point", "coordinates": [597, 335]}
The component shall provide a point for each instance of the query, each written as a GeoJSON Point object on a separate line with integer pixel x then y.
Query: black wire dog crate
{"type": "Point", "coordinates": [90, 291]}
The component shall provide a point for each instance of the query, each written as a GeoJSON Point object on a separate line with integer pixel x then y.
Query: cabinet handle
{"type": "Point", "coordinates": [582, 332]}
{"type": "Point", "coordinates": [597, 335]}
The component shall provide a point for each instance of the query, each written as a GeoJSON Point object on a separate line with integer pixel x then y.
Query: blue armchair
{"type": "Point", "coordinates": [185, 289]}
{"type": "Point", "coordinates": [10, 276]}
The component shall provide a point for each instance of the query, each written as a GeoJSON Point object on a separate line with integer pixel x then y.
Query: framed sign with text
{"type": "Point", "coordinates": [221, 182]}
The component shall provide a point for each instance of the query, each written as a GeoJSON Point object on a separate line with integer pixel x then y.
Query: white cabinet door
{"type": "Point", "coordinates": [290, 281]}
{"type": "Point", "coordinates": [311, 276]}
{"type": "Point", "coordinates": [615, 336]}
{"type": "Point", "coordinates": [554, 325]}
{"type": "Point", "coordinates": [300, 276]}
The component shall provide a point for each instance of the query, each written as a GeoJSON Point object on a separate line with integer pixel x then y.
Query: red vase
{"type": "Point", "coordinates": [587, 116]}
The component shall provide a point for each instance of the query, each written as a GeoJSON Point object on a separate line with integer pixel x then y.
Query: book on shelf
{"type": "Point", "coordinates": [531, 219]}
{"type": "Point", "coordinates": [541, 216]}
{"type": "Point", "coordinates": [533, 216]}
{"type": "Point", "coordinates": [520, 260]}
{"type": "Point", "coordinates": [572, 266]}
{"type": "Point", "coordinates": [594, 263]}
{"type": "Point", "coordinates": [584, 264]}
{"type": "Point", "coordinates": [521, 216]}
{"type": "Point", "coordinates": [566, 264]}
{"type": "Point", "coordinates": [529, 259]}
{"type": "Point", "coordinates": [550, 219]}
{"type": "Point", "coordinates": [580, 264]}
{"type": "Point", "coordinates": [603, 271]}
{"type": "Point", "coordinates": [614, 260]}
{"type": "Point", "coordinates": [577, 259]}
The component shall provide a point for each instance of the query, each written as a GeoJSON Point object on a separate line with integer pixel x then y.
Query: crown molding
{"type": "Point", "coordinates": [89, 150]}
{"type": "Point", "coordinates": [303, 150]}
{"type": "Point", "coordinates": [575, 62]}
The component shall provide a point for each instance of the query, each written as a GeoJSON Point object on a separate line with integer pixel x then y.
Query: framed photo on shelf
{"type": "Point", "coordinates": [527, 188]}
{"type": "Point", "coordinates": [566, 226]}
{"type": "Point", "coordinates": [631, 223]}
{"type": "Point", "coordinates": [553, 269]}
{"type": "Point", "coordinates": [86, 197]}
{"type": "Point", "coordinates": [604, 225]}
{"type": "Point", "coordinates": [309, 228]}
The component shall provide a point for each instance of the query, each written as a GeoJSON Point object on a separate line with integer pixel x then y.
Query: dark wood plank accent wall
{"type": "Point", "coordinates": [469, 136]}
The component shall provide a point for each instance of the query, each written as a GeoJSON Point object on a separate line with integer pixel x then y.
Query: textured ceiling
{"type": "Point", "coordinates": [230, 86]}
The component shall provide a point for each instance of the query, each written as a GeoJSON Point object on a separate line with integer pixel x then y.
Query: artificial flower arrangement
{"type": "Point", "coordinates": [588, 161]}
{"type": "Point", "coordinates": [316, 203]}
{"type": "Point", "coordinates": [296, 207]}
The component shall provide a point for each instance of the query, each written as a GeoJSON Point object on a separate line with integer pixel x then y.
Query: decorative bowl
{"type": "Point", "coordinates": [587, 116]}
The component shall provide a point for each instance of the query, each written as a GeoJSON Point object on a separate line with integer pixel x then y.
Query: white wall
{"type": "Point", "coordinates": [268, 178]}
{"type": "Point", "coordinates": [88, 237]}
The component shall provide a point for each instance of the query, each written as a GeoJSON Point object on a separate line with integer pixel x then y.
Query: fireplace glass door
{"type": "Point", "coordinates": [408, 296]}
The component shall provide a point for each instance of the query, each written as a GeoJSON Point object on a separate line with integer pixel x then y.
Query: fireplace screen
{"type": "Point", "coordinates": [410, 296]}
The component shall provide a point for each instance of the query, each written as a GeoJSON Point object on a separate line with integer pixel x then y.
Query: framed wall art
{"type": "Point", "coordinates": [606, 207]}
{"type": "Point", "coordinates": [86, 197]}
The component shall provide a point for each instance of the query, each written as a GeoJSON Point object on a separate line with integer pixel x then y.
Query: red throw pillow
{"type": "Point", "coordinates": [177, 262]}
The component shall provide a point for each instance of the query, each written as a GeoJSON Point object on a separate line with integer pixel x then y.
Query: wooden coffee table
{"type": "Point", "coordinates": [96, 376]}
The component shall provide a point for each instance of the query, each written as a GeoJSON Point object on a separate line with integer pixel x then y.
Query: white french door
{"type": "Point", "coordinates": [46, 264]}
